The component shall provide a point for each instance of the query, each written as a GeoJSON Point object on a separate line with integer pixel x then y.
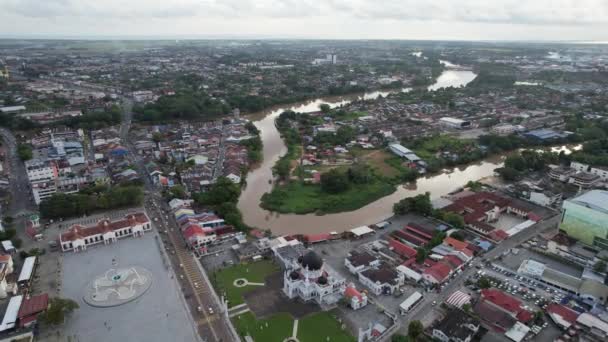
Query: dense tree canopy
{"type": "Point", "coordinates": [334, 181]}
{"type": "Point", "coordinates": [62, 205]}
{"type": "Point", "coordinates": [57, 311]}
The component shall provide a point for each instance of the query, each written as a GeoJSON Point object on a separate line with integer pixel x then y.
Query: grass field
{"type": "Point", "coordinates": [377, 159]}
{"type": "Point", "coordinates": [314, 328]}
{"type": "Point", "coordinates": [319, 327]}
{"type": "Point", "coordinates": [299, 198]}
{"type": "Point", "coordinates": [254, 272]}
{"type": "Point", "coordinates": [274, 329]}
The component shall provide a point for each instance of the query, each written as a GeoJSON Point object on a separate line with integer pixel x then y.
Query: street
{"type": "Point", "coordinates": [211, 322]}
{"type": "Point", "coordinates": [458, 282]}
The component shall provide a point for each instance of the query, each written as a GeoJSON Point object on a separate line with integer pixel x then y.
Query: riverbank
{"type": "Point", "coordinates": [260, 180]}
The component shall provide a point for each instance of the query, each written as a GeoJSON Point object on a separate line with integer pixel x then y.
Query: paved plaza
{"type": "Point", "coordinates": [158, 314]}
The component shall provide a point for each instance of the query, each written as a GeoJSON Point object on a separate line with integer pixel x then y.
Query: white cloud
{"type": "Point", "coordinates": [475, 19]}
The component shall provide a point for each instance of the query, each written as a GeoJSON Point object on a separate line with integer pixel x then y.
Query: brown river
{"type": "Point", "coordinates": [259, 179]}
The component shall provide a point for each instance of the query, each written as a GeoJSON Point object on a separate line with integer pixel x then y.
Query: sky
{"type": "Point", "coordinates": [581, 20]}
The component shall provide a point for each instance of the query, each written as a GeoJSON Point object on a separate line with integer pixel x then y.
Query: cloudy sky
{"type": "Point", "coordinates": [342, 19]}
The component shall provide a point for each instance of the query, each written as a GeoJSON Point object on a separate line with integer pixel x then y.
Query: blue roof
{"type": "Point", "coordinates": [545, 134]}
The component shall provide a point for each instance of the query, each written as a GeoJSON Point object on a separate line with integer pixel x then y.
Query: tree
{"type": "Point", "coordinates": [178, 191]}
{"type": "Point", "coordinates": [283, 168]}
{"type": "Point", "coordinates": [600, 266]}
{"type": "Point", "coordinates": [400, 338]}
{"type": "Point", "coordinates": [157, 137]}
{"type": "Point", "coordinates": [57, 311]}
{"type": "Point", "coordinates": [484, 283]}
{"type": "Point", "coordinates": [453, 219]}
{"type": "Point", "coordinates": [360, 173]}
{"type": "Point", "coordinates": [466, 307]}
{"type": "Point", "coordinates": [415, 329]}
{"type": "Point", "coordinates": [508, 173]}
{"type": "Point", "coordinates": [325, 108]}
{"type": "Point", "coordinates": [334, 181]}
{"type": "Point", "coordinates": [421, 254]}
{"type": "Point", "coordinates": [24, 152]}
{"type": "Point", "coordinates": [222, 191]}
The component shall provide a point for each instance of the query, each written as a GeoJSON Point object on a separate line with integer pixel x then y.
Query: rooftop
{"type": "Point", "coordinates": [594, 199]}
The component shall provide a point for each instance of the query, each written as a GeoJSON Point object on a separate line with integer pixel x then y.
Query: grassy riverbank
{"type": "Point", "coordinates": [299, 198]}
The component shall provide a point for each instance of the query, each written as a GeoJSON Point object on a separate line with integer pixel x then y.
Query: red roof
{"type": "Point", "coordinates": [193, 230]}
{"type": "Point", "coordinates": [440, 271]}
{"type": "Point", "coordinates": [565, 313]}
{"type": "Point", "coordinates": [501, 299]}
{"type": "Point", "coordinates": [257, 233]}
{"type": "Point", "coordinates": [103, 226]}
{"type": "Point", "coordinates": [452, 261]}
{"type": "Point", "coordinates": [498, 235]}
{"type": "Point", "coordinates": [402, 249]}
{"type": "Point", "coordinates": [33, 305]}
{"type": "Point", "coordinates": [413, 239]}
{"type": "Point", "coordinates": [524, 316]}
{"type": "Point", "coordinates": [456, 244]}
{"type": "Point", "coordinates": [474, 207]}
{"type": "Point", "coordinates": [352, 292]}
{"type": "Point", "coordinates": [317, 238]}
{"type": "Point", "coordinates": [419, 230]}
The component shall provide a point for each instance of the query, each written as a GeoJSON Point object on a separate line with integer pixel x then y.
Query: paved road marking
{"type": "Point", "coordinates": [294, 333]}
{"type": "Point", "coordinates": [239, 312]}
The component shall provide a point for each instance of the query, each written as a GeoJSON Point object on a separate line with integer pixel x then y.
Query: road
{"type": "Point", "coordinates": [21, 202]}
{"type": "Point", "coordinates": [458, 282]}
{"type": "Point", "coordinates": [211, 324]}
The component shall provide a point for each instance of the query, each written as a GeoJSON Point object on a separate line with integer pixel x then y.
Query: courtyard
{"type": "Point", "coordinates": [159, 314]}
{"type": "Point", "coordinates": [228, 281]}
{"type": "Point", "coordinates": [261, 311]}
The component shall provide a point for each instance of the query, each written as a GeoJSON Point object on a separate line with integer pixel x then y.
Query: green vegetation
{"type": "Point", "coordinates": [342, 115]}
{"type": "Point", "coordinates": [57, 311]}
{"type": "Point", "coordinates": [274, 329]}
{"type": "Point", "coordinates": [292, 139]}
{"type": "Point", "coordinates": [300, 198]}
{"type": "Point", "coordinates": [516, 165]}
{"type": "Point", "coordinates": [441, 151]}
{"type": "Point", "coordinates": [415, 329]}
{"type": "Point", "coordinates": [322, 327]}
{"type": "Point", "coordinates": [600, 266]}
{"type": "Point", "coordinates": [318, 327]}
{"type": "Point", "coordinates": [89, 200]}
{"type": "Point", "coordinates": [222, 197]}
{"type": "Point", "coordinates": [254, 149]}
{"type": "Point", "coordinates": [419, 204]}
{"type": "Point", "coordinates": [223, 280]}
{"type": "Point", "coordinates": [24, 152]}
{"type": "Point", "coordinates": [95, 120]}
{"type": "Point", "coordinates": [185, 105]}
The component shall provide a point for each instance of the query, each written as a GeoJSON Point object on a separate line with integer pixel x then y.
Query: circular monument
{"type": "Point", "coordinates": [118, 286]}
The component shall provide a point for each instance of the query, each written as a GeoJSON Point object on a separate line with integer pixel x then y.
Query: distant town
{"type": "Point", "coordinates": [303, 191]}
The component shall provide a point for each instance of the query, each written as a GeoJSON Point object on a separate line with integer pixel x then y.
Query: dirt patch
{"type": "Point", "coordinates": [377, 159]}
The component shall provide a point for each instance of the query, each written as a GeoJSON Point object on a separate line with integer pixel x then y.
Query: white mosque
{"type": "Point", "coordinates": [311, 280]}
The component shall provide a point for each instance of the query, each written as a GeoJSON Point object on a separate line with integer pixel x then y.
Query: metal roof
{"type": "Point", "coordinates": [594, 199]}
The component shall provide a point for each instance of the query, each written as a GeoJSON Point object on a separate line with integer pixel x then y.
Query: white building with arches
{"type": "Point", "coordinates": [79, 238]}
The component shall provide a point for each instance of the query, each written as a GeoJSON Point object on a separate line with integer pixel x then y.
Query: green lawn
{"type": "Point", "coordinates": [275, 329]}
{"type": "Point", "coordinates": [255, 272]}
{"type": "Point", "coordinates": [315, 328]}
{"type": "Point", "coordinates": [320, 326]}
{"type": "Point", "coordinates": [299, 198]}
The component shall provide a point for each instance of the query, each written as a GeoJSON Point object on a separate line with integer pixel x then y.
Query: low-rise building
{"type": "Point", "coordinates": [381, 280]}
{"type": "Point", "coordinates": [584, 179]}
{"type": "Point", "coordinates": [358, 261]}
{"type": "Point", "coordinates": [355, 299]}
{"type": "Point", "coordinates": [78, 238]}
{"type": "Point", "coordinates": [456, 326]}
